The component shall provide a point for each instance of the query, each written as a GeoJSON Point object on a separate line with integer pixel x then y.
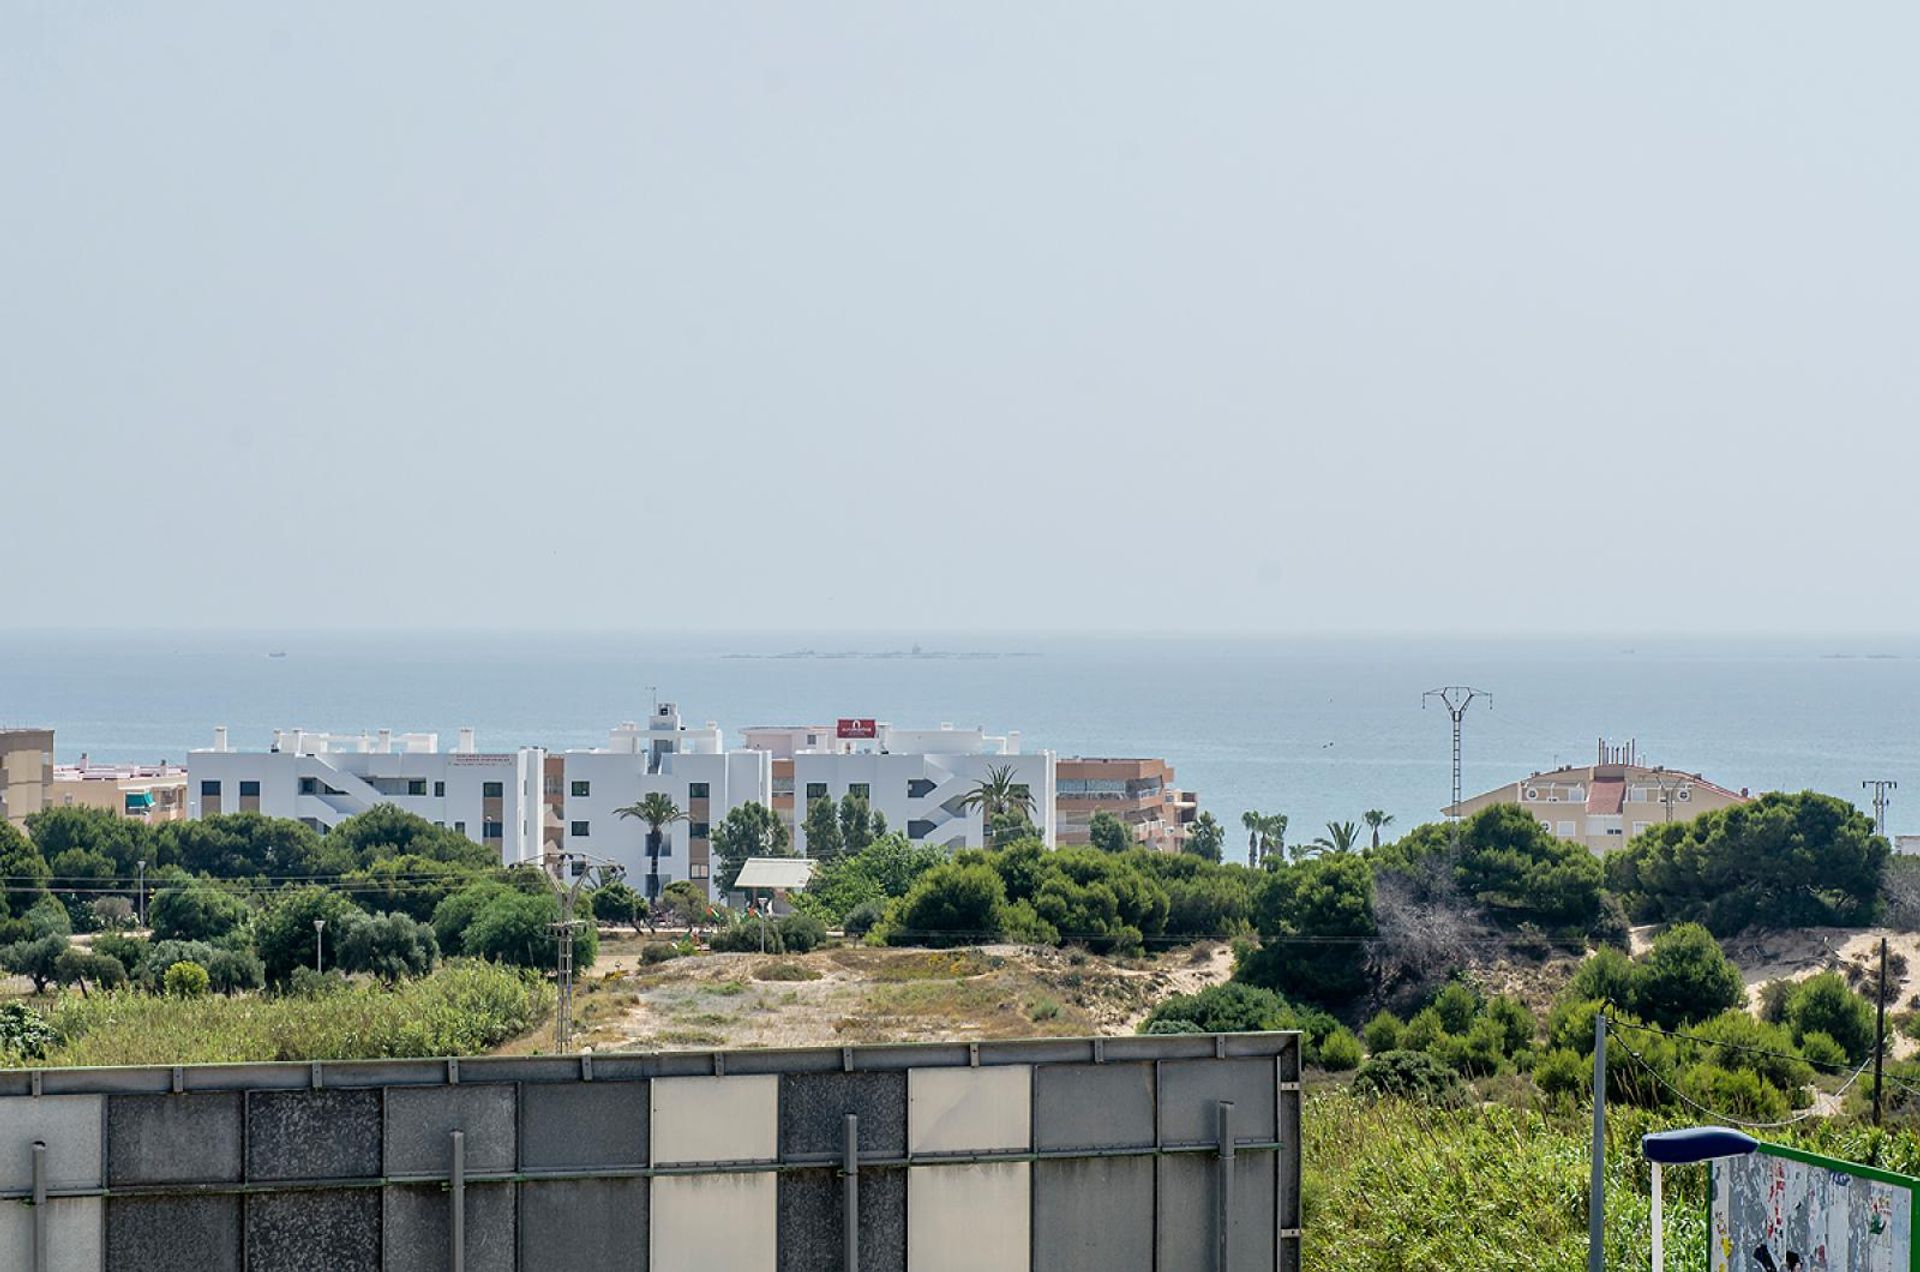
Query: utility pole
{"type": "Point", "coordinates": [1879, 1030]}
{"type": "Point", "coordinates": [1456, 699]}
{"type": "Point", "coordinates": [568, 892]}
{"type": "Point", "coordinates": [1880, 786]}
{"type": "Point", "coordinates": [142, 894]}
{"type": "Point", "coordinates": [319, 926]}
{"type": "Point", "coordinates": [1597, 1183]}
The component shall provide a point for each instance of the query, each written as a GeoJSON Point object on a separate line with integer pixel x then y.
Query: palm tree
{"type": "Point", "coordinates": [659, 811]}
{"type": "Point", "coordinates": [1253, 821]}
{"type": "Point", "coordinates": [1375, 820]}
{"type": "Point", "coordinates": [1340, 837]}
{"type": "Point", "coordinates": [997, 795]}
{"type": "Point", "coordinates": [1273, 836]}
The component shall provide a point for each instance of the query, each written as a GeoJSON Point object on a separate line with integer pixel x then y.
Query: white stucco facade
{"type": "Point", "coordinates": [491, 797]}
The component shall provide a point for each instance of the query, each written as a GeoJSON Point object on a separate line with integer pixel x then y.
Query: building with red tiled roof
{"type": "Point", "coordinates": [1608, 802]}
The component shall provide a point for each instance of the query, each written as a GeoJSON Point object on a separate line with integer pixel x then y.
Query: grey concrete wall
{"type": "Point", "coordinates": [1049, 1155]}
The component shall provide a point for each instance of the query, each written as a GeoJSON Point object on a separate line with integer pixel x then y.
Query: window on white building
{"type": "Point", "coordinates": [492, 790]}
{"type": "Point", "coordinates": [580, 790]}
{"type": "Point", "coordinates": [579, 830]}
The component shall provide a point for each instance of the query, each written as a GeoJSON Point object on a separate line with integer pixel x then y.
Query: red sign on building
{"type": "Point", "coordinates": [854, 729]}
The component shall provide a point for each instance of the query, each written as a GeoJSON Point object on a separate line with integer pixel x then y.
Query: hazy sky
{"type": "Point", "coordinates": [1262, 317]}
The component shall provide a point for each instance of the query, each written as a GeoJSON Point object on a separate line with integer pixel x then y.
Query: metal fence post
{"type": "Point", "coordinates": [850, 1170]}
{"type": "Point", "coordinates": [41, 1254]}
{"type": "Point", "coordinates": [1597, 1184]}
{"type": "Point", "coordinates": [457, 1227]}
{"type": "Point", "coordinates": [1223, 1194]}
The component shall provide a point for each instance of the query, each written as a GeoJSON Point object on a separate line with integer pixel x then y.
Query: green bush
{"type": "Point", "coordinates": [1383, 1033]}
{"type": "Point", "coordinates": [284, 935]}
{"type": "Point", "coordinates": [659, 952]}
{"type": "Point", "coordinates": [1314, 918]}
{"type": "Point", "coordinates": [186, 980]}
{"type": "Point", "coordinates": [953, 904]}
{"type": "Point", "coordinates": [1822, 1051]}
{"type": "Point", "coordinates": [24, 1032]}
{"type": "Point", "coordinates": [89, 969]}
{"type": "Point", "coordinates": [130, 950]}
{"type": "Point", "coordinates": [751, 934]}
{"type": "Point", "coordinates": [1409, 1075]}
{"type": "Point", "coordinates": [1739, 1093]}
{"type": "Point", "coordinates": [801, 933]}
{"type": "Point", "coordinates": [1340, 1051]}
{"type": "Point", "coordinates": [1687, 978]}
{"type": "Point", "coordinates": [1824, 1004]}
{"type": "Point", "coordinates": [195, 911]}
{"type": "Point", "coordinates": [1229, 1008]}
{"type": "Point", "coordinates": [1162, 1027]}
{"type": "Point", "coordinates": [389, 947]}
{"type": "Point", "coordinates": [863, 918]}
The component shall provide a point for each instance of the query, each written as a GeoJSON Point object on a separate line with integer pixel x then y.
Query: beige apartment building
{"type": "Point", "coordinates": [26, 773]}
{"type": "Point", "coordinates": [1608, 802]}
{"type": "Point", "coordinates": [150, 793]}
{"type": "Point", "coordinates": [1140, 792]}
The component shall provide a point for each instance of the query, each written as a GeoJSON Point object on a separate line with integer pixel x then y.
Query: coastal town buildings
{"type": "Point", "coordinates": [916, 778]}
{"type": "Point", "coordinates": [151, 793]}
{"type": "Point", "coordinates": [26, 773]}
{"type": "Point", "coordinates": [689, 765]}
{"type": "Point", "coordinates": [1140, 792]}
{"type": "Point", "coordinates": [1608, 802]}
{"type": "Point", "coordinates": [492, 797]}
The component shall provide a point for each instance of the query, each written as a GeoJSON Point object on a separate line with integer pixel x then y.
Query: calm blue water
{"type": "Point", "coordinates": [1319, 729]}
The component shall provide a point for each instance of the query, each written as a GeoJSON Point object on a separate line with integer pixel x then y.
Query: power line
{"type": "Point", "coordinates": [1880, 786]}
{"type": "Point", "coordinates": [1812, 1110]}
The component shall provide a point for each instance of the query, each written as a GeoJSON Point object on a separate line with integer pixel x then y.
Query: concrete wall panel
{"type": "Point", "coordinates": [583, 1225]}
{"type": "Point", "coordinates": [313, 1135]}
{"type": "Point", "coordinates": [814, 1108]}
{"type": "Point", "coordinates": [73, 1230]}
{"type": "Point", "coordinates": [977, 1110]}
{"type": "Point", "coordinates": [1093, 1215]}
{"type": "Point", "coordinates": [702, 1222]}
{"type": "Point", "coordinates": [173, 1234]}
{"type": "Point", "coordinates": [583, 1124]}
{"type": "Point", "coordinates": [174, 1139]}
{"type": "Point", "coordinates": [716, 1119]}
{"type": "Point", "coordinates": [813, 1207]}
{"type": "Point", "coordinates": [323, 1230]}
{"type": "Point", "coordinates": [1093, 1106]}
{"type": "Point", "coordinates": [968, 1218]}
{"type": "Point", "coordinates": [417, 1227]}
{"type": "Point", "coordinates": [421, 1121]}
{"type": "Point", "coordinates": [1190, 1091]}
{"type": "Point", "coordinates": [69, 1125]}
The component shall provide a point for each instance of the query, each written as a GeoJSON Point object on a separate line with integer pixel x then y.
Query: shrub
{"type": "Point", "coordinates": [1457, 1004]}
{"type": "Point", "coordinates": [231, 971]}
{"type": "Point", "coordinates": [24, 1032]}
{"type": "Point", "coordinates": [307, 983]}
{"type": "Point", "coordinates": [1409, 1075]}
{"type": "Point", "coordinates": [1229, 1008]}
{"type": "Point", "coordinates": [1563, 1073]}
{"type": "Point", "coordinates": [1824, 1004]}
{"type": "Point", "coordinates": [454, 915]}
{"type": "Point", "coordinates": [1382, 1033]}
{"type": "Point", "coordinates": [518, 928]}
{"type": "Point", "coordinates": [1821, 1050]}
{"type": "Point", "coordinates": [82, 967]}
{"type": "Point", "coordinates": [1739, 1092]}
{"type": "Point", "coordinates": [1163, 1027]}
{"type": "Point", "coordinates": [784, 971]}
{"type": "Point", "coordinates": [1340, 1051]}
{"type": "Point", "coordinates": [285, 935]}
{"type": "Point", "coordinates": [1687, 978]}
{"type": "Point", "coordinates": [1314, 918]}
{"type": "Point", "coordinates": [112, 913]}
{"type": "Point", "coordinates": [1022, 925]}
{"type": "Point", "coordinates": [863, 918]}
{"type": "Point", "coordinates": [130, 950]}
{"type": "Point", "coordinates": [48, 917]}
{"type": "Point", "coordinates": [1608, 976]}
{"type": "Point", "coordinates": [749, 935]}
{"type": "Point", "coordinates": [801, 933]}
{"type": "Point", "coordinates": [186, 980]}
{"type": "Point", "coordinates": [952, 904]}
{"type": "Point", "coordinates": [659, 952]}
{"type": "Point", "coordinates": [389, 947]}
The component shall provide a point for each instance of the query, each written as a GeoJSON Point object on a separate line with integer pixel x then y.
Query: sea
{"type": "Point", "coordinates": [1321, 729]}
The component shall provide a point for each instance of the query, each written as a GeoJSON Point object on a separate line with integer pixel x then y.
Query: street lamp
{"type": "Point", "coordinates": [319, 926]}
{"type": "Point", "coordinates": [1677, 1148]}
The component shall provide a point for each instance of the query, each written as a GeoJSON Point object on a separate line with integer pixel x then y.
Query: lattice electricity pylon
{"type": "Point", "coordinates": [1456, 699]}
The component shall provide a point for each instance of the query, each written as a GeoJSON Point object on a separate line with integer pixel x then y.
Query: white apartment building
{"type": "Point", "coordinates": [916, 778]}
{"type": "Point", "coordinates": [689, 765]}
{"type": "Point", "coordinates": [321, 779]}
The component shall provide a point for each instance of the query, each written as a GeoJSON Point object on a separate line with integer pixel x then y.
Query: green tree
{"type": "Point", "coordinates": [658, 810]}
{"type": "Point", "coordinates": [387, 830]}
{"type": "Point", "coordinates": [24, 869]}
{"type": "Point", "coordinates": [73, 828]}
{"type": "Point", "coordinates": [1780, 861]}
{"type": "Point", "coordinates": [247, 846]}
{"type": "Point", "coordinates": [518, 928]}
{"type": "Point", "coordinates": [187, 980]}
{"type": "Point", "coordinates": [1315, 918]}
{"type": "Point", "coordinates": [823, 830]}
{"type": "Point", "coordinates": [1002, 801]}
{"type": "Point", "coordinates": [1687, 978]}
{"type": "Point", "coordinates": [194, 911]}
{"type": "Point", "coordinates": [1376, 822]}
{"type": "Point", "coordinates": [232, 971]}
{"type": "Point", "coordinates": [1521, 874]}
{"type": "Point", "coordinates": [453, 916]}
{"type": "Point", "coordinates": [885, 869]}
{"type": "Point", "coordinates": [1824, 1004]}
{"type": "Point", "coordinates": [284, 935]}
{"type": "Point", "coordinates": [617, 902]}
{"type": "Point", "coordinates": [1109, 834]}
{"type": "Point", "coordinates": [686, 904]}
{"type": "Point", "coordinates": [409, 884]}
{"type": "Point", "coordinates": [748, 830]}
{"type": "Point", "coordinates": [80, 875]}
{"type": "Point", "coordinates": [83, 967]}
{"type": "Point", "coordinates": [389, 947]}
{"type": "Point", "coordinates": [859, 824]}
{"type": "Point", "coordinates": [1206, 838]}
{"type": "Point", "coordinates": [1100, 899]}
{"type": "Point", "coordinates": [1266, 836]}
{"type": "Point", "coordinates": [952, 904]}
{"type": "Point", "coordinates": [1340, 837]}
{"type": "Point", "coordinates": [36, 959]}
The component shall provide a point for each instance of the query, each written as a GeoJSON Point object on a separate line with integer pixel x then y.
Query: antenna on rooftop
{"type": "Point", "coordinates": [1456, 699]}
